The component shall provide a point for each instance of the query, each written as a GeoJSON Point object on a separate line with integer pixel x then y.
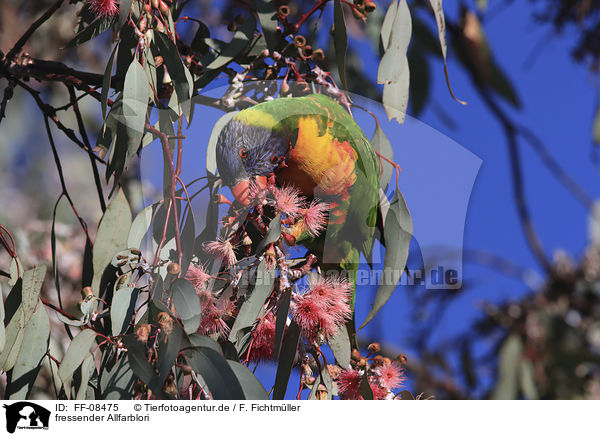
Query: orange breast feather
{"type": "Point", "coordinates": [320, 165]}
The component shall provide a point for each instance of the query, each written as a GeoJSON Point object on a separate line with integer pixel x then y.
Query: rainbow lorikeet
{"type": "Point", "coordinates": [314, 145]}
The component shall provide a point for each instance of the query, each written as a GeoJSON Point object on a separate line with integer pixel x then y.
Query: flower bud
{"type": "Point", "coordinates": [307, 50]}
{"type": "Point", "coordinates": [370, 6]}
{"type": "Point", "coordinates": [374, 347]}
{"type": "Point", "coordinates": [318, 55]}
{"type": "Point", "coordinates": [355, 354]}
{"type": "Point", "coordinates": [165, 322]}
{"type": "Point", "coordinates": [378, 360]}
{"type": "Point", "coordinates": [362, 363]}
{"type": "Point", "coordinates": [164, 8]}
{"type": "Point", "coordinates": [173, 268]}
{"type": "Point", "coordinates": [299, 41]}
{"type": "Point", "coordinates": [87, 291]}
{"type": "Point", "coordinates": [143, 333]}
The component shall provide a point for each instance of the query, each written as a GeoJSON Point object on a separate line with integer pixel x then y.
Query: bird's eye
{"type": "Point", "coordinates": [243, 153]}
{"type": "Point", "coordinates": [274, 159]}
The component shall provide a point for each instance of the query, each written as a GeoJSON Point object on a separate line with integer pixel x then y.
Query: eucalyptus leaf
{"type": "Point", "coordinates": [398, 230]}
{"type": "Point", "coordinates": [111, 236]}
{"type": "Point", "coordinates": [216, 372]}
{"type": "Point", "coordinates": [252, 387]}
{"type": "Point", "coordinates": [286, 360]}
{"type": "Point", "coordinates": [187, 304]}
{"type": "Point", "coordinates": [254, 305]}
{"type": "Point", "coordinates": [77, 352]}
{"type": "Point", "coordinates": [36, 336]}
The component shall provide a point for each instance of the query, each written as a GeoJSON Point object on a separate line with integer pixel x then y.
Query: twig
{"type": "Point", "coordinates": [86, 141]}
{"type": "Point", "coordinates": [62, 179]}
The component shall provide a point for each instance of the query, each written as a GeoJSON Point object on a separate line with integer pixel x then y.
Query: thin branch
{"type": "Point", "coordinates": [62, 180]}
{"type": "Point", "coordinates": [86, 141]}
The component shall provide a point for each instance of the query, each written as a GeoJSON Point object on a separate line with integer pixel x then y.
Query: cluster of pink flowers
{"type": "Point", "coordinates": [104, 8]}
{"type": "Point", "coordinates": [383, 376]}
{"type": "Point", "coordinates": [262, 346]}
{"type": "Point", "coordinates": [212, 309]}
{"type": "Point", "coordinates": [324, 308]}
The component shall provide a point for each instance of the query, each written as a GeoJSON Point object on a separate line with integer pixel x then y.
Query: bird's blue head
{"type": "Point", "coordinates": [246, 151]}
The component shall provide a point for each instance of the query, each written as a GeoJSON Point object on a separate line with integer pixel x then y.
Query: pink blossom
{"type": "Point", "coordinates": [379, 392]}
{"type": "Point", "coordinates": [288, 201]}
{"type": "Point", "coordinates": [391, 375]}
{"type": "Point", "coordinates": [104, 8]}
{"type": "Point", "coordinates": [263, 339]}
{"type": "Point", "coordinates": [348, 382]}
{"type": "Point", "coordinates": [212, 323]}
{"type": "Point", "coordinates": [197, 276]}
{"type": "Point", "coordinates": [223, 249]}
{"type": "Point", "coordinates": [315, 217]}
{"type": "Point", "coordinates": [309, 315]}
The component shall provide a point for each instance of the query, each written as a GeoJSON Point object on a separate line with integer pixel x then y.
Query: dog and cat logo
{"type": "Point", "coordinates": [26, 415]}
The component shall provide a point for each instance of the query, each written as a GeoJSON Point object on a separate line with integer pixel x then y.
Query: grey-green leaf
{"type": "Point", "coordinates": [340, 346]}
{"type": "Point", "coordinates": [253, 306]}
{"type": "Point", "coordinates": [398, 230]}
{"type": "Point", "coordinates": [78, 351]}
{"type": "Point", "coordinates": [253, 389]}
{"type": "Point", "coordinates": [36, 336]}
{"type": "Point", "coordinates": [187, 304]}
{"type": "Point", "coordinates": [111, 236]}
{"type": "Point", "coordinates": [216, 372]}
{"type": "Point", "coordinates": [122, 309]}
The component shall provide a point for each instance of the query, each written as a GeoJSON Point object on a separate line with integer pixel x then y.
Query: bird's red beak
{"type": "Point", "coordinates": [241, 190]}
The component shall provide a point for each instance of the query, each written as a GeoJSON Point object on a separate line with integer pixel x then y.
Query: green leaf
{"type": "Point", "coordinates": [122, 309]}
{"type": "Point", "coordinates": [140, 227]}
{"type": "Point", "coordinates": [382, 145]}
{"type": "Point", "coordinates": [438, 11]}
{"type": "Point", "coordinates": [393, 71]}
{"type": "Point", "coordinates": [78, 351]}
{"type": "Point", "coordinates": [596, 128]}
{"type": "Point", "coordinates": [14, 340]}
{"type": "Point", "coordinates": [96, 27]}
{"type": "Point", "coordinates": [340, 346]}
{"type": "Point", "coordinates": [187, 304]}
{"type": "Point", "coordinates": [198, 43]}
{"type": "Point", "coordinates": [510, 354]}
{"type": "Point", "coordinates": [282, 315]}
{"type": "Point", "coordinates": [211, 150]}
{"type": "Point", "coordinates": [106, 81]}
{"type": "Point", "coordinates": [254, 305]}
{"type": "Point", "coordinates": [527, 380]}
{"type": "Point", "coordinates": [136, 93]}
{"type": "Point", "coordinates": [273, 234]}
{"type": "Point", "coordinates": [253, 389]}
{"type": "Point", "coordinates": [286, 360]}
{"type": "Point", "coordinates": [188, 239]}
{"type": "Point", "coordinates": [36, 336]}
{"type": "Point", "coordinates": [398, 230]}
{"type": "Point", "coordinates": [365, 388]}
{"type": "Point", "coordinates": [136, 354]}
{"type": "Point", "coordinates": [116, 382]}
{"type": "Point", "coordinates": [2, 327]}
{"type": "Point", "coordinates": [267, 15]}
{"type": "Point", "coordinates": [124, 11]}
{"type": "Point", "coordinates": [198, 340]}
{"type": "Point", "coordinates": [216, 372]}
{"type": "Point", "coordinates": [182, 79]}
{"type": "Point", "coordinates": [241, 39]}
{"type": "Point", "coordinates": [16, 270]}
{"type": "Point", "coordinates": [167, 354]}
{"type": "Point", "coordinates": [111, 236]}
{"type": "Point", "coordinates": [87, 369]}
{"type": "Point", "coordinates": [32, 284]}
{"type": "Point", "coordinates": [69, 321]}
{"type": "Point", "coordinates": [340, 40]}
